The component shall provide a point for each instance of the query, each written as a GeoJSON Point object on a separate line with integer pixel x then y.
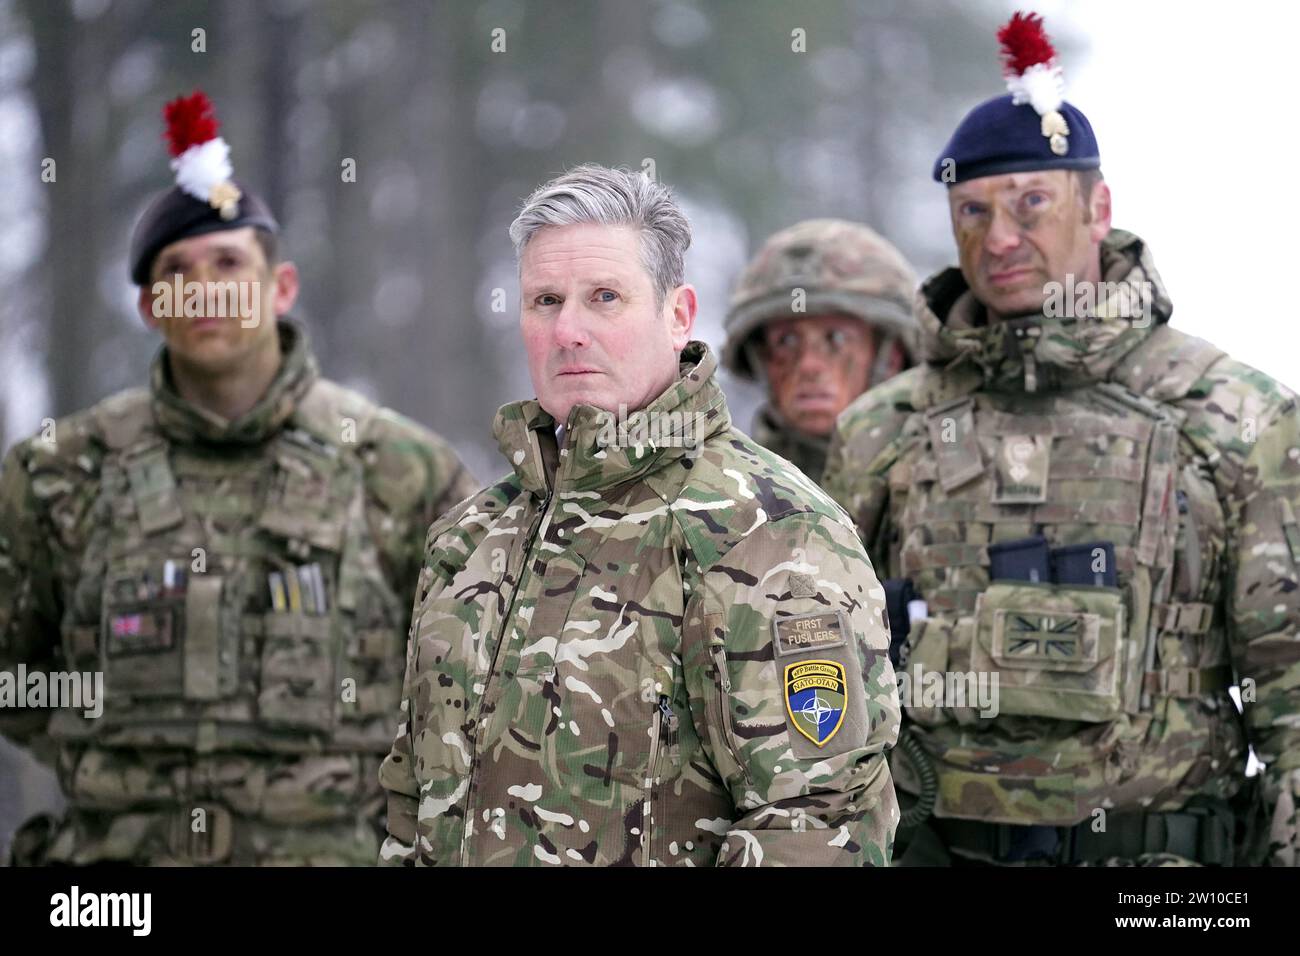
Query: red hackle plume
{"type": "Point", "coordinates": [1024, 43]}
{"type": "Point", "coordinates": [190, 121]}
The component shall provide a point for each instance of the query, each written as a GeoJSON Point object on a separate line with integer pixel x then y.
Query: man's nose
{"type": "Point", "coordinates": [195, 272]}
{"type": "Point", "coordinates": [1003, 235]}
{"type": "Point", "coordinates": [570, 329]}
{"type": "Point", "coordinates": [812, 357]}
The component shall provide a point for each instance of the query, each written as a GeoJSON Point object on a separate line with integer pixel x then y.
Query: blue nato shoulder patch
{"type": "Point", "coordinates": [815, 696]}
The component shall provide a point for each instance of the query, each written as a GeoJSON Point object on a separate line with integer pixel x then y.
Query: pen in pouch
{"type": "Point", "coordinates": [279, 599]}
{"type": "Point", "coordinates": [307, 588]}
{"type": "Point", "coordinates": [294, 592]}
{"type": "Point", "coordinates": [318, 579]}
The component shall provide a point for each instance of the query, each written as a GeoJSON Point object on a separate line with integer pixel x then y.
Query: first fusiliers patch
{"type": "Point", "coordinates": [814, 698]}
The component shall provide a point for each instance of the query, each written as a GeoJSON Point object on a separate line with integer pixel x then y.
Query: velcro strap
{"type": "Point", "coordinates": [1190, 618]}
{"type": "Point", "coordinates": [1187, 682]}
{"type": "Point", "coordinates": [203, 637]}
{"type": "Point", "coordinates": [1158, 495]}
{"type": "Point", "coordinates": [954, 443]}
{"type": "Point", "coordinates": [153, 489]}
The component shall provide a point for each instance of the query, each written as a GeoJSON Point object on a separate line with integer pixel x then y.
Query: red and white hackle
{"type": "Point", "coordinates": [1033, 76]}
{"type": "Point", "coordinates": [201, 158]}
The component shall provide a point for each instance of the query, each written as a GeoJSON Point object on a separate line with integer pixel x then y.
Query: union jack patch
{"type": "Point", "coordinates": [1044, 637]}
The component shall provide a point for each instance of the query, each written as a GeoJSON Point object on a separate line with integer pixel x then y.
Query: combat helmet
{"type": "Point", "coordinates": [842, 267]}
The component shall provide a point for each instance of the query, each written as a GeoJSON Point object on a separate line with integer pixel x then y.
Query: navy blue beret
{"type": "Point", "coordinates": [997, 137]}
{"type": "Point", "coordinates": [174, 214]}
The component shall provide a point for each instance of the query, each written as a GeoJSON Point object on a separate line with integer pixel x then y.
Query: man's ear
{"type": "Point", "coordinates": [144, 304]}
{"type": "Point", "coordinates": [1099, 210]}
{"type": "Point", "coordinates": [285, 291]}
{"type": "Point", "coordinates": [682, 305]}
{"type": "Point", "coordinates": [896, 360]}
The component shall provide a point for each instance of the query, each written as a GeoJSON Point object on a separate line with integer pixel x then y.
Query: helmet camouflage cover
{"type": "Point", "coordinates": [841, 267]}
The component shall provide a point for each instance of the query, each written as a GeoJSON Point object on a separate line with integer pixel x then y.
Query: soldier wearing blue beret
{"type": "Point", "coordinates": [1087, 525]}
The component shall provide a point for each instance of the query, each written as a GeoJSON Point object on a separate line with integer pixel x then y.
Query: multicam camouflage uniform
{"type": "Point", "coordinates": [272, 725]}
{"type": "Point", "coordinates": [841, 268]}
{"type": "Point", "coordinates": [1112, 699]}
{"type": "Point", "coordinates": [600, 651]}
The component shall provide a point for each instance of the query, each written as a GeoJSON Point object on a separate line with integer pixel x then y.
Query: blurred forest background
{"type": "Point", "coordinates": [448, 134]}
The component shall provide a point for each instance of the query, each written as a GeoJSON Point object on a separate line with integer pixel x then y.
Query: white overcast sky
{"type": "Point", "coordinates": [1194, 108]}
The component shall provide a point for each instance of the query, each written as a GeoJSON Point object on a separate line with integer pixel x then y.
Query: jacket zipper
{"type": "Point", "coordinates": [662, 731]}
{"type": "Point", "coordinates": [724, 711]}
{"type": "Point", "coordinates": [543, 518]}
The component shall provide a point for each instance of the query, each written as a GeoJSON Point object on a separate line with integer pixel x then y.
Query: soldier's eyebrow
{"type": "Point", "coordinates": [170, 263]}
{"type": "Point", "coordinates": [541, 288]}
{"type": "Point", "coordinates": [1032, 182]}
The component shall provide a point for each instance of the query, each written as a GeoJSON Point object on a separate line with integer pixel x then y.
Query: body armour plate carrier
{"type": "Point", "coordinates": [206, 673]}
{"type": "Point", "coordinates": [1111, 692]}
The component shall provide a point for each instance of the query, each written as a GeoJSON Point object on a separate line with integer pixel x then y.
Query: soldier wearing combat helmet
{"type": "Point", "coordinates": [1086, 512]}
{"type": "Point", "coordinates": [233, 550]}
{"type": "Point", "coordinates": [821, 313]}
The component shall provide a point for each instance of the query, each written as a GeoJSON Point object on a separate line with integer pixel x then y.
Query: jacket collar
{"type": "Point", "coordinates": [604, 449]}
{"type": "Point", "coordinates": [181, 421]}
{"type": "Point", "coordinates": [1042, 353]}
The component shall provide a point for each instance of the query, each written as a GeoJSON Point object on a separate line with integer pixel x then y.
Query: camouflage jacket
{"type": "Point", "coordinates": [140, 538]}
{"type": "Point", "coordinates": [1102, 432]}
{"type": "Point", "coordinates": [644, 648]}
{"type": "Point", "coordinates": [807, 452]}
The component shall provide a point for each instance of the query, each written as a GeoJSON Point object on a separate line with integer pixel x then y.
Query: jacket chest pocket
{"type": "Point", "coordinates": [542, 627]}
{"type": "Point", "coordinates": [458, 613]}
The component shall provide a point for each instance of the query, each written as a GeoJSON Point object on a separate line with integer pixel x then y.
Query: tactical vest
{"type": "Point", "coordinates": [1102, 468]}
{"type": "Point", "coordinates": [174, 603]}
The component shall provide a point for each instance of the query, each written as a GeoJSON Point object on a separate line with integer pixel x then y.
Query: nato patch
{"type": "Point", "coordinates": [801, 633]}
{"type": "Point", "coordinates": [815, 696]}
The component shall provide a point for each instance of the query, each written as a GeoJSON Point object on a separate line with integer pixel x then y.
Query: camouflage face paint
{"type": "Point", "coordinates": [1185, 465]}
{"type": "Point", "coordinates": [816, 366]}
{"type": "Point", "coordinates": [1018, 232]}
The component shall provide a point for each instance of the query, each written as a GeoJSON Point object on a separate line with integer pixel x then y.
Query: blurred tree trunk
{"type": "Point", "coordinates": [448, 79]}
{"type": "Point", "coordinates": [71, 61]}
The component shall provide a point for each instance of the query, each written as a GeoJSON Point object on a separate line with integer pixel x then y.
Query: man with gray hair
{"type": "Point", "coordinates": [653, 642]}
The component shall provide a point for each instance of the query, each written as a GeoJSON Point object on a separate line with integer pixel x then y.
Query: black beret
{"type": "Point", "coordinates": [175, 214]}
{"type": "Point", "coordinates": [999, 137]}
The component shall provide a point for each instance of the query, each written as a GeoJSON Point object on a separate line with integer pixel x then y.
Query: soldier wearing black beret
{"type": "Point", "coordinates": [206, 582]}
